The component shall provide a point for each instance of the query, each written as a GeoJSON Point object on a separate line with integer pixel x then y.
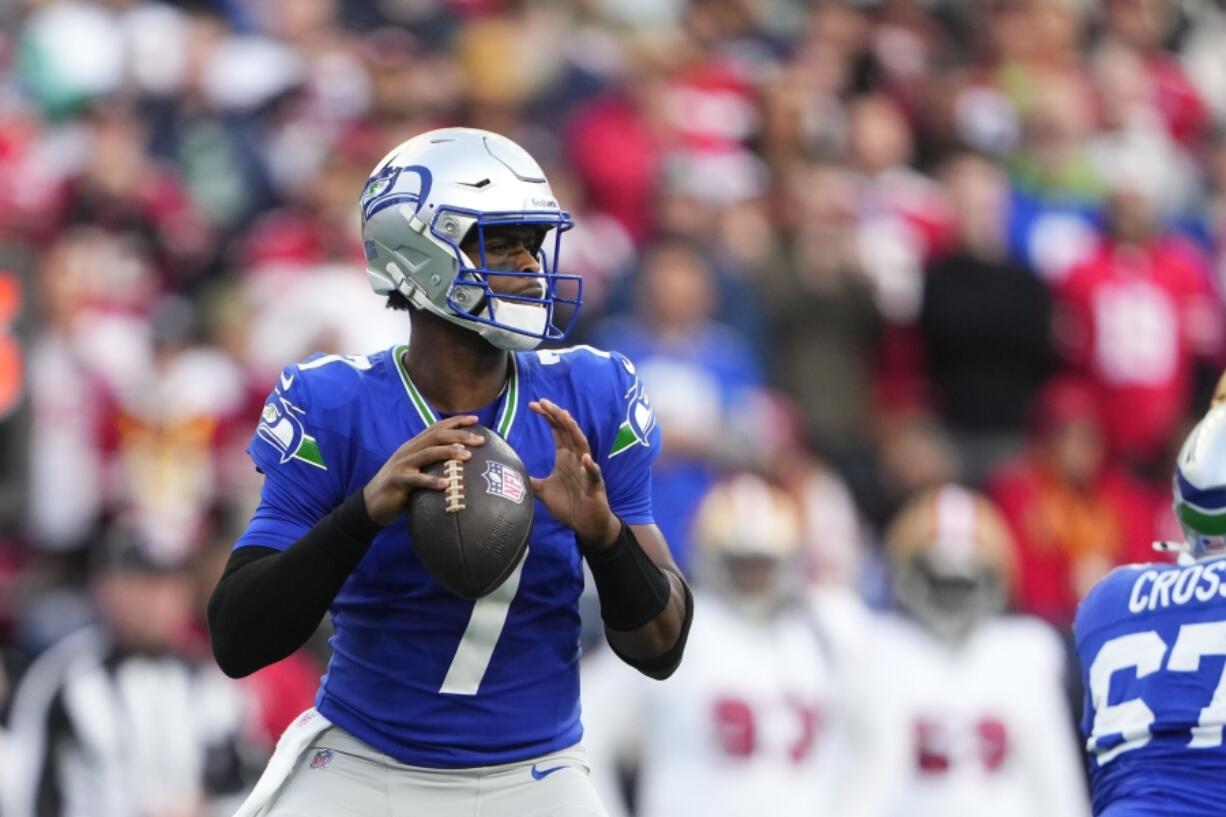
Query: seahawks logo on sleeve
{"type": "Point", "coordinates": [281, 427]}
{"type": "Point", "coordinates": [640, 419]}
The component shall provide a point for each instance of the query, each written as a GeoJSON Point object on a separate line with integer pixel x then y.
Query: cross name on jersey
{"type": "Point", "coordinates": [1195, 583]}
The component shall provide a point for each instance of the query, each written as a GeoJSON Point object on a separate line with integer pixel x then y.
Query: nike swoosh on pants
{"type": "Point", "coordinates": [541, 774]}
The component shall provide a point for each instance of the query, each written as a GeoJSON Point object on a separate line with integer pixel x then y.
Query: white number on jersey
{"type": "Point", "coordinates": [1138, 334]}
{"type": "Point", "coordinates": [1143, 652]}
{"type": "Point", "coordinates": [476, 648]}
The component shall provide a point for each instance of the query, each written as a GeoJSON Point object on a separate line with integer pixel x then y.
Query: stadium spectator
{"type": "Point", "coordinates": [825, 327]}
{"type": "Point", "coordinates": [1073, 513]}
{"type": "Point", "coordinates": [985, 323]}
{"type": "Point", "coordinates": [1138, 316]}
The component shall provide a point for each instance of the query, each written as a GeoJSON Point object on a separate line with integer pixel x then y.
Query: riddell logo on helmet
{"type": "Point", "coordinates": [542, 202]}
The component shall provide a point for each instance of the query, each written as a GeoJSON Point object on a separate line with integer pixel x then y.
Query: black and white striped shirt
{"type": "Point", "coordinates": [96, 732]}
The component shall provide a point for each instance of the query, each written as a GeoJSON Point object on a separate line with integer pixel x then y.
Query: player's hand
{"type": "Point", "coordinates": [1219, 394]}
{"type": "Point", "coordinates": [574, 491]}
{"type": "Point", "coordinates": [388, 491]}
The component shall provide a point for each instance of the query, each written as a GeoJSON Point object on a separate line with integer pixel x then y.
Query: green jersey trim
{"type": "Point", "coordinates": [624, 441]}
{"type": "Point", "coordinates": [308, 451]}
{"type": "Point", "coordinates": [510, 393]}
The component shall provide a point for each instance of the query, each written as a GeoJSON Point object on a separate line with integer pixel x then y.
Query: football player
{"type": "Point", "coordinates": [981, 694]}
{"type": "Point", "coordinates": [775, 711]}
{"type": "Point", "coordinates": [433, 703]}
{"type": "Point", "coordinates": [1152, 644]}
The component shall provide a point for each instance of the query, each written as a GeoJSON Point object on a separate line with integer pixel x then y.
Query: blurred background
{"type": "Point", "coordinates": [862, 250]}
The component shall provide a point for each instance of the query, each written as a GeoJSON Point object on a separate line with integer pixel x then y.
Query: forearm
{"type": "Point", "coordinates": [660, 638]}
{"type": "Point", "coordinates": [268, 603]}
{"type": "Point", "coordinates": [644, 601]}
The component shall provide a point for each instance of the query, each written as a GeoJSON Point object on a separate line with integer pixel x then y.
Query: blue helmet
{"type": "Point", "coordinates": [430, 194]}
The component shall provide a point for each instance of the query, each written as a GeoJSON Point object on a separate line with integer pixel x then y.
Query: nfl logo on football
{"type": "Point", "coordinates": [504, 481]}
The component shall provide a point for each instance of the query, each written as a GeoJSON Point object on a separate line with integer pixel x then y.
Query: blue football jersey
{"type": "Point", "coordinates": [1152, 644]}
{"type": "Point", "coordinates": [429, 678]}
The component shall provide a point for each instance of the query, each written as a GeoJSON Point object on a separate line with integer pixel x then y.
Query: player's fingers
{"type": "Point", "coordinates": [546, 410]}
{"type": "Point", "coordinates": [437, 453]}
{"type": "Point", "coordinates": [592, 470]}
{"type": "Point", "coordinates": [576, 438]}
{"type": "Point", "coordinates": [452, 436]}
{"type": "Point", "coordinates": [540, 408]}
{"type": "Point", "coordinates": [445, 432]}
{"type": "Point", "coordinates": [420, 479]}
{"type": "Point", "coordinates": [457, 421]}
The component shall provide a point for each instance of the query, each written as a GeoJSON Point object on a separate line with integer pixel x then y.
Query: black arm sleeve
{"type": "Point", "coordinates": [268, 602]}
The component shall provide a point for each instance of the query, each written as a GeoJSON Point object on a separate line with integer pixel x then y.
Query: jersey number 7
{"type": "Point", "coordinates": [476, 648]}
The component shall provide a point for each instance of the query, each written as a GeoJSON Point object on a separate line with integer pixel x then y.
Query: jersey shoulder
{"type": "Point", "coordinates": [1106, 599]}
{"type": "Point", "coordinates": [318, 403]}
{"type": "Point", "coordinates": [608, 385]}
{"type": "Point", "coordinates": [581, 364]}
{"type": "Point", "coordinates": [329, 382]}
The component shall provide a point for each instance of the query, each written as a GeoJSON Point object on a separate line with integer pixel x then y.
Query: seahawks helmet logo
{"type": "Point", "coordinates": [384, 189]}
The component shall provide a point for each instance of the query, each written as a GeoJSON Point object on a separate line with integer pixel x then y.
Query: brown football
{"type": "Point", "coordinates": [473, 534]}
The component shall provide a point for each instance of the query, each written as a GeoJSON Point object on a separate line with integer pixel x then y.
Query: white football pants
{"type": "Point", "coordinates": [339, 776]}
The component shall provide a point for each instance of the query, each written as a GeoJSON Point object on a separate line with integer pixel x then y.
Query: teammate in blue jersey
{"type": "Point", "coordinates": [1152, 644]}
{"type": "Point", "coordinates": [433, 704]}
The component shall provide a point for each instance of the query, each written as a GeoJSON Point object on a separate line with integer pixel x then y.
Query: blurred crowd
{"type": "Point", "coordinates": [864, 249]}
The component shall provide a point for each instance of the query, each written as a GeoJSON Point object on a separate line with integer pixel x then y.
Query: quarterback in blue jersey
{"type": "Point", "coordinates": [433, 704]}
{"type": "Point", "coordinates": [1152, 644]}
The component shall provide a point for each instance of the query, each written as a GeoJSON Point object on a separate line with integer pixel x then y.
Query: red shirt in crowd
{"type": "Point", "coordinates": [1134, 319]}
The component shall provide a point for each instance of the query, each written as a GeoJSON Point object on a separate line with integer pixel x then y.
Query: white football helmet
{"type": "Point", "coordinates": [427, 196]}
{"type": "Point", "coordinates": [748, 534]}
{"type": "Point", "coordinates": [1200, 487]}
{"type": "Point", "coordinates": [951, 560]}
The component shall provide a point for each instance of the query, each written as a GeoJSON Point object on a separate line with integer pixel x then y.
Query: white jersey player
{"type": "Point", "coordinates": [772, 712]}
{"type": "Point", "coordinates": [981, 694]}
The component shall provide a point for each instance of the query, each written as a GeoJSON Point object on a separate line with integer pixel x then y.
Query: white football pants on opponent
{"type": "Point", "coordinates": [339, 776]}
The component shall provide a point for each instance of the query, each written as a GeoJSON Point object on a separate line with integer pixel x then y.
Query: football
{"type": "Point", "coordinates": [472, 535]}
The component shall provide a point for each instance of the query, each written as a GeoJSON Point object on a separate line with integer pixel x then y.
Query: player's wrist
{"type": "Point", "coordinates": [632, 588]}
{"type": "Point", "coordinates": [353, 517]}
{"type": "Point", "coordinates": [600, 540]}
{"type": "Point", "coordinates": [375, 511]}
